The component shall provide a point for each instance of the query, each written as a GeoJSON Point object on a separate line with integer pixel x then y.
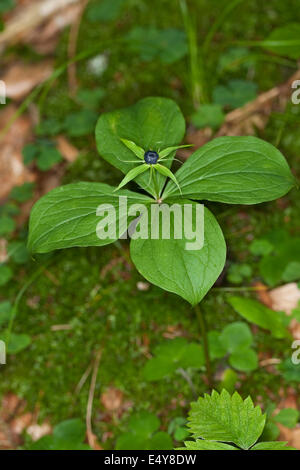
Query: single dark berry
{"type": "Point", "coordinates": [151, 157]}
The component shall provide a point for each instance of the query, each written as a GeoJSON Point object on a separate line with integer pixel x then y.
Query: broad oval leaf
{"type": "Point", "coordinates": [285, 41]}
{"type": "Point", "coordinates": [235, 170]}
{"type": "Point", "coordinates": [151, 123]}
{"type": "Point", "coordinates": [168, 264]}
{"type": "Point", "coordinates": [260, 315]}
{"type": "Point", "coordinates": [67, 216]}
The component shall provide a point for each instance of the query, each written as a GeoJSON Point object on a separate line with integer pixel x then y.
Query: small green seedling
{"type": "Point", "coordinates": [224, 422]}
{"type": "Point", "coordinates": [232, 170]}
{"type": "Point", "coordinates": [143, 434]}
{"type": "Point", "coordinates": [67, 435]}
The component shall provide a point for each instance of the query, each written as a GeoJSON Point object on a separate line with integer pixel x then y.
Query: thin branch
{"type": "Point", "coordinates": [90, 435]}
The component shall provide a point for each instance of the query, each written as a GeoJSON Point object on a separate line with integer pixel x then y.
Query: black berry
{"type": "Point", "coordinates": [151, 157]}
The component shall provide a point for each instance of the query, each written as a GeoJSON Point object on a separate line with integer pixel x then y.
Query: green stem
{"type": "Point", "coordinates": [197, 71]}
{"type": "Point", "coordinates": [19, 297]}
{"type": "Point", "coordinates": [156, 188]}
{"type": "Point", "coordinates": [202, 325]}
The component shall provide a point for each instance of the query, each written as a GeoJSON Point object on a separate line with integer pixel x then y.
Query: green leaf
{"type": "Point", "coordinates": [6, 5]}
{"type": "Point", "coordinates": [30, 152]}
{"type": "Point", "coordinates": [236, 336]}
{"type": "Point", "coordinates": [140, 435]}
{"type": "Point", "coordinates": [17, 250]}
{"type": "Point", "coordinates": [285, 41]}
{"type": "Point", "coordinates": [17, 342]}
{"type": "Point", "coordinates": [235, 94]}
{"type": "Point", "coordinates": [152, 123]}
{"type": "Point", "coordinates": [48, 157]}
{"type": "Point", "coordinates": [5, 274]}
{"type": "Point", "coordinates": [167, 45]}
{"type": "Point", "coordinates": [289, 417]}
{"type": "Point", "coordinates": [221, 417]}
{"type": "Point", "coordinates": [216, 347]}
{"type": "Point", "coordinates": [274, 267]}
{"type": "Point", "coordinates": [105, 10]}
{"type": "Point", "coordinates": [66, 216]}
{"type": "Point", "coordinates": [206, 445]}
{"type": "Point", "coordinates": [229, 380]}
{"type": "Point", "coordinates": [70, 430]}
{"type": "Point", "coordinates": [244, 360]}
{"type": "Point", "coordinates": [235, 170]}
{"type": "Point", "coordinates": [291, 272]}
{"type": "Point", "coordinates": [67, 435]}
{"type": "Point", "coordinates": [22, 193]}
{"type": "Point", "coordinates": [238, 272]}
{"type": "Point", "coordinates": [271, 446]}
{"type": "Point", "coordinates": [172, 355]}
{"type": "Point", "coordinates": [190, 273]}
{"type": "Point", "coordinates": [138, 151]}
{"type": "Point", "coordinates": [165, 152]}
{"type": "Point", "coordinates": [158, 368]}
{"type": "Point", "coordinates": [7, 225]}
{"type": "Point", "coordinates": [208, 115]}
{"type": "Point", "coordinates": [261, 247]}
{"type": "Point", "coordinates": [144, 423]}
{"type": "Point", "coordinates": [160, 441]}
{"type": "Point", "coordinates": [5, 311]}
{"type": "Point", "coordinates": [80, 123]}
{"type": "Point", "coordinates": [168, 173]}
{"type": "Point", "coordinates": [132, 174]}
{"type": "Point", "coordinates": [290, 371]}
{"type": "Point", "coordinates": [257, 313]}
{"type": "Point", "coordinates": [91, 98]}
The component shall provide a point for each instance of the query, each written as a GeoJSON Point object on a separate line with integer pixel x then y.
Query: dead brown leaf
{"type": "Point", "coordinates": [285, 298]}
{"type": "Point", "coordinates": [21, 78]}
{"type": "Point", "coordinates": [112, 399]}
{"type": "Point", "coordinates": [36, 431]}
{"type": "Point", "coordinates": [68, 151]}
{"type": "Point", "coordinates": [13, 171]}
{"type": "Point", "coordinates": [3, 250]}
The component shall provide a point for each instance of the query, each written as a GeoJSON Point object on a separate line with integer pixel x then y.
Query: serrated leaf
{"type": "Point", "coordinates": [190, 273]}
{"type": "Point", "coordinates": [152, 123]}
{"type": "Point", "coordinates": [271, 446]}
{"type": "Point", "coordinates": [225, 418]}
{"type": "Point", "coordinates": [235, 170]}
{"type": "Point", "coordinates": [257, 313]}
{"type": "Point", "coordinates": [206, 445]}
{"type": "Point", "coordinates": [66, 216]}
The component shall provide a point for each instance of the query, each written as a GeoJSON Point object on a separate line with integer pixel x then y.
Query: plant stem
{"type": "Point", "coordinates": [202, 325]}
{"type": "Point", "coordinates": [197, 73]}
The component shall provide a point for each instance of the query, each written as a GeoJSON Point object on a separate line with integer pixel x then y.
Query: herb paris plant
{"type": "Point", "coordinates": [236, 170]}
